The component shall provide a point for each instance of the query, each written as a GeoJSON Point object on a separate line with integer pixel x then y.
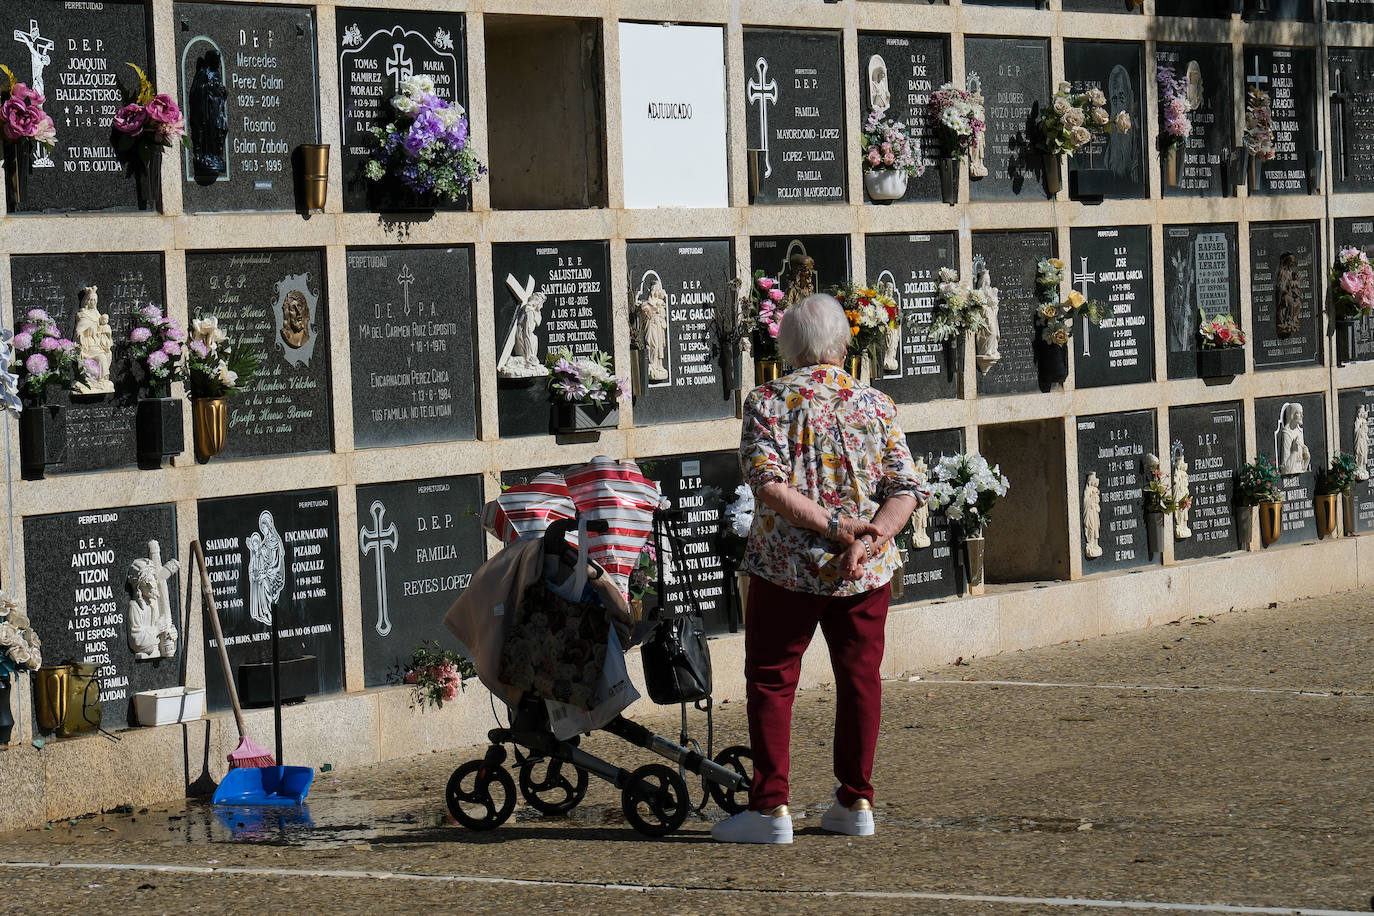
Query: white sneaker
{"type": "Point", "coordinates": [756, 827]}
{"type": "Point", "coordinates": [856, 820]}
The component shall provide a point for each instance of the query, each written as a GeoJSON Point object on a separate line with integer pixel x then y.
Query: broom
{"type": "Point", "coordinates": [248, 753]}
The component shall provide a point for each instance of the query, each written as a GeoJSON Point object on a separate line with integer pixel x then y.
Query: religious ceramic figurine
{"type": "Point", "coordinates": [977, 168]}
{"type": "Point", "coordinates": [802, 276]}
{"type": "Point", "coordinates": [1294, 457]}
{"type": "Point", "coordinates": [295, 319]}
{"type": "Point", "coordinates": [985, 343]}
{"type": "Point", "coordinates": [266, 569]}
{"type": "Point", "coordinates": [1181, 312]}
{"type": "Point", "coordinates": [520, 355]}
{"type": "Point", "coordinates": [892, 342]}
{"type": "Point", "coordinates": [1362, 443]}
{"type": "Point", "coordinates": [879, 96]}
{"type": "Point", "coordinates": [655, 312]}
{"type": "Point", "coordinates": [1092, 517]}
{"type": "Point", "coordinates": [1180, 493]}
{"type": "Point", "coordinates": [209, 116]}
{"type": "Point", "coordinates": [96, 341]}
{"type": "Point", "coordinates": [920, 519]}
{"type": "Point", "coordinates": [1193, 73]}
{"type": "Point", "coordinates": [1123, 148]}
{"type": "Point", "coordinates": [152, 632]}
{"type": "Point", "coordinates": [1288, 292]}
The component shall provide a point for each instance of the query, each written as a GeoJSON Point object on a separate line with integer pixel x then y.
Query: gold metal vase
{"type": "Point", "coordinates": [1348, 513]}
{"type": "Point", "coordinates": [50, 695]}
{"type": "Point", "coordinates": [1271, 522]}
{"type": "Point", "coordinates": [210, 423]}
{"type": "Point", "coordinates": [314, 176]}
{"type": "Point", "coordinates": [766, 370]}
{"type": "Point", "coordinates": [1325, 506]}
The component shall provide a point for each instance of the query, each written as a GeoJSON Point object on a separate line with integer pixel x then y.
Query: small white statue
{"type": "Point", "coordinates": [95, 339]}
{"type": "Point", "coordinates": [1181, 495]}
{"type": "Point", "coordinates": [655, 312]}
{"type": "Point", "coordinates": [892, 342]}
{"type": "Point", "coordinates": [985, 343]}
{"type": "Point", "coordinates": [266, 568]}
{"type": "Point", "coordinates": [1293, 455]}
{"type": "Point", "coordinates": [879, 95]}
{"type": "Point", "coordinates": [1092, 517]}
{"type": "Point", "coordinates": [520, 355]}
{"type": "Point", "coordinates": [1362, 443]}
{"type": "Point", "coordinates": [977, 168]}
{"type": "Point", "coordinates": [920, 519]}
{"type": "Point", "coordinates": [152, 632]}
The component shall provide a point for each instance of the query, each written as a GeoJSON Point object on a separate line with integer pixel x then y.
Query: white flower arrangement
{"type": "Point", "coordinates": [1073, 118]}
{"type": "Point", "coordinates": [20, 647]}
{"type": "Point", "coordinates": [739, 513]}
{"type": "Point", "coordinates": [964, 489]}
{"type": "Point", "coordinates": [958, 308]}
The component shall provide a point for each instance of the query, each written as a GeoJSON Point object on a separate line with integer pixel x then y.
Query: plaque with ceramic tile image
{"type": "Point", "coordinates": [1113, 469]}
{"type": "Point", "coordinates": [931, 567]}
{"type": "Point", "coordinates": [1208, 438]}
{"type": "Point", "coordinates": [897, 73]}
{"type": "Point", "coordinates": [1287, 287]}
{"type": "Point", "coordinates": [1201, 272]}
{"type": "Point", "coordinates": [1014, 74]}
{"type": "Point", "coordinates": [1111, 165]}
{"type": "Point", "coordinates": [913, 367]}
{"type": "Point", "coordinates": [1291, 431]}
{"type": "Point", "coordinates": [1112, 266]}
{"type": "Point", "coordinates": [102, 587]}
{"type": "Point", "coordinates": [1197, 165]}
{"type": "Point", "coordinates": [1354, 408]}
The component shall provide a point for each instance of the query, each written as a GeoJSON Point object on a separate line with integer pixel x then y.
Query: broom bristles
{"type": "Point", "coordinates": [248, 754]}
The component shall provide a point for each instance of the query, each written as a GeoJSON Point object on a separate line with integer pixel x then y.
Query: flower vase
{"type": "Point", "coordinates": [1253, 173]}
{"type": "Point", "coordinates": [6, 713]}
{"type": "Point", "coordinates": [583, 418]}
{"type": "Point", "coordinates": [158, 428]}
{"type": "Point", "coordinates": [210, 426]}
{"type": "Point", "coordinates": [1325, 506]}
{"type": "Point", "coordinates": [18, 166]}
{"type": "Point", "coordinates": [766, 370]}
{"type": "Point", "coordinates": [1053, 170]}
{"type": "Point", "coordinates": [1052, 363]}
{"type": "Point", "coordinates": [1245, 526]}
{"type": "Point", "coordinates": [742, 589]}
{"type": "Point", "coordinates": [1346, 336]}
{"type": "Point", "coordinates": [973, 564]}
{"type": "Point", "coordinates": [885, 185]}
{"type": "Point", "coordinates": [1271, 522]}
{"type": "Point", "coordinates": [639, 371]}
{"type": "Point", "coordinates": [1154, 533]}
{"type": "Point", "coordinates": [1220, 362]}
{"type": "Point", "coordinates": [1171, 158]}
{"type": "Point", "coordinates": [949, 181]}
{"type": "Point", "coordinates": [42, 435]}
{"type": "Point", "coordinates": [731, 372]}
{"type": "Point", "coordinates": [854, 365]}
{"type": "Point", "coordinates": [899, 577]}
{"type": "Point", "coordinates": [148, 178]}
{"type": "Point", "coordinates": [314, 176]}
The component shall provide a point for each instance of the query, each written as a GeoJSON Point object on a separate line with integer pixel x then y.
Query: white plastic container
{"type": "Point", "coordinates": [169, 705]}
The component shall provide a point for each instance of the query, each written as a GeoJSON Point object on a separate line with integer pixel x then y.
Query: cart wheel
{"type": "Point", "coordinates": [655, 800]}
{"type": "Point", "coordinates": [737, 757]}
{"type": "Point", "coordinates": [470, 798]}
{"type": "Point", "coordinates": [552, 786]}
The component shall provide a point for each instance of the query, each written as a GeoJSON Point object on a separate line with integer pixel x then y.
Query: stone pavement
{"type": "Point", "coordinates": [1218, 764]}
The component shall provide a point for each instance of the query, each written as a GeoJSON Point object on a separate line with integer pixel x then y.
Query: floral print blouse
{"type": "Point", "coordinates": [837, 441]}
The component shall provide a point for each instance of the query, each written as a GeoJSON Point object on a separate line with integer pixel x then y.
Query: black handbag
{"type": "Point", "coordinates": [677, 664]}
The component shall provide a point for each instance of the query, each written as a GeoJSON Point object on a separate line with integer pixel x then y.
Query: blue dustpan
{"type": "Point", "coordinates": [279, 785]}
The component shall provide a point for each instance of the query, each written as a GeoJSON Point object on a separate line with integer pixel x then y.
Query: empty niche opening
{"type": "Point", "coordinates": [1028, 538]}
{"type": "Point", "coordinates": [546, 113]}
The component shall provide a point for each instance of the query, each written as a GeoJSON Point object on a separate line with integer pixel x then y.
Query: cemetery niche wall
{"type": "Point", "coordinates": [801, 264]}
{"type": "Point", "coordinates": [1286, 290]}
{"type": "Point", "coordinates": [1011, 260]}
{"type": "Point", "coordinates": [1112, 451]}
{"type": "Point", "coordinates": [931, 569]}
{"type": "Point", "coordinates": [1286, 76]}
{"type": "Point", "coordinates": [1113, 267]}
{"type": "Point", "coordinates": [1291, 430]}
{"type": "Point", "coordinates": [1209, 438]}
{"type": "Point", "coordinates": [1112, 165]}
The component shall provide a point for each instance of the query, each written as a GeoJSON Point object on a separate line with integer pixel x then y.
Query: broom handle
{"type": "Point", "coordinates": [209, 594]}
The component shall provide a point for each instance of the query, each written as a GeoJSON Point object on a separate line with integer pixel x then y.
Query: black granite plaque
{"type": "Point", "coordinates": [377, 50]}
{"type": "Point", "coordinates": [1117, 160]}
{"type": "Point", "coordinates": [411, 342]}
{"type": "Point", "coordinates": [1208, 436]}
{"type": "Point", "coordinates": [1350, 10]}
{"type": "Point", "coordinates": [575, 280]}
{"type": "Point", "coordinates": [282, 550]}
{"type": "Point", "coordinates": [75, 54]}
{"type": "Point", "coordinates": [1288, 75]}
{"type": "Point", "coordinates": [286, 408]}
{"type": "Point", "coordinates": [830, 254]}
{"type": "Point", "coordinates": [913, 67]}
{"type": "Point", "coordinates": [100, 428]}
{"type": "Point", "coordinates": [1351, 74]}
{"type": "Point", "coordinates": [932, 572]}
{"type": "Point", "coordinates": [1208, 68]}
{"type": "Point", "coordinates": [1349, 404]}
{"type": "Point", "coordinates": [1015, 78]}
{"type": "Point", "coordinates": [77, 570]}
{"type": "Point", "coordinates": [794, 114]}
{"type": "Point", "coordinates": [1114, 446]}
{"type": "Point", "coordinates": [1201, 271]}
{"type": "Point", "coordinates": [1113, 267]}
{"type": "Point", "coordinates": [1202, 9]}
{"type": "Point", "coordinates": [1104, 6]}
{"type": "Point", "coordinates": [918, 369]}
{"type": "Point", "coordinates": [1356, 232]}
{"type": "Point", "coordinates": [1012, 259]}
{"type": "Point", "coordinates": [419, 542]}
{"type": "Point", "coordinates": [248, 90]}
{"type": "Point", "coordinates": [680, 285]}
{"type": "Point", "coordinates": [1291, 430]}
{"type": "Point", "coordinates": [1270, 10]}
{"type": "Point", "coordinates": [1285, 294]}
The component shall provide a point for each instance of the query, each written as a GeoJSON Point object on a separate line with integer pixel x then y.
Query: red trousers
{"type": "Point", "coordinates": [778, 627]}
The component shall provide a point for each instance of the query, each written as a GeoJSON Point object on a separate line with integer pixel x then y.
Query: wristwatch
{"type": "Point", "coordinates": [832, 530]}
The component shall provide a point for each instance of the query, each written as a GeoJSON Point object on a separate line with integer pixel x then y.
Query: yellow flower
{"type": "Point", "coordinates": [1056, 263]}
{"type": "Point", "coordinates": [1048, 312]}
{"type": "Point", "coordinates": [853, 330]}
{"type": "Point", "coordinates": [1061, 336]}
{"type": "Point", "coordinates": [1075, 298]}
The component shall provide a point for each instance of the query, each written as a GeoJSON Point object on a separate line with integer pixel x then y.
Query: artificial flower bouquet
{"type": "Point", "coordinates": [1173, 101]}
{"type": "Point", "coordinates": [886, 144]}
{"type": "Point", "coordinates": [959, 308]}
{"type": "Point", "coordinates": [1220, 332]}
{"type": "Point", "coordinates": [1352, 284]}
{"type": "Point", "coordinates": [20, 647]}
{"type": "Point", "coordinates": [1075, 119]}
{"type": "Point", "coordinates": [46, 358]}
{"type": "Point", "coordinates": [584, 379]}
{"type": "Point", "coordinates": [436, 675]}
{"type": "Point", "coordinates": [216, 367]}
{"type": "Point", "coordinates": [156, 342]}
{"type": "Point", "coordinates": [22, 118]}
{"type": "Point", "coordinates": [1339, 477]}
{"type": "Point", "coordinates": [1158, 494]}
{"type": "Point", "coordinates": [1258, 482]}
{"type": "Point", "coordinates": [959, 121]}
{"type": "Point", "coordinates": [964, 489]}
{"type": "Point", "coordinates": [426, 145]}
{"type": "Point", "coordinates": [763, 307]}
{"type": "Point", "coordinates": [872, 316]}
{"type": "Point", "coordinates": [1054, 317]}
{"type": "Point", "coordinates": [1259, 125]}
{"type": "Point", "coordinates": [149, 121]}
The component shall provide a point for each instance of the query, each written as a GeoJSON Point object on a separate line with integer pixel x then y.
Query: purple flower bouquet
{"type": "Point", "coordinates": [426, 146]}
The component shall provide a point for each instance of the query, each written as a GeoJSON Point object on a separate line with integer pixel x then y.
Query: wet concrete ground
{"type": "Point", "coordinates": [1214, 765]}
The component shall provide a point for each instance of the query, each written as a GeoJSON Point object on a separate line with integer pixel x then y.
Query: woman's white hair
{"type": "Point", "coordinates": [813, 331]}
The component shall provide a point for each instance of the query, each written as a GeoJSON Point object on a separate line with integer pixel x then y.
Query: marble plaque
{"type": "Point", "coordinates": [279, 550]}
{"type": "Point", "coordinates": [1351, 74]}
{"type": "Point", "coordinates": [912, 66]}
{"type": "Point", "coordinates": [830, 254]}
{"type": "Point", "coordinates": [1012, 259]}
{"type": "Point", "coordinates": [77, 570]}
{"type": "Point", "coordinates": [1114, 446]}
{"type": "Point", "coordinates": [410, 316]}
{"type": "Point", "coordinates": [418, 543]}
{"type": "Point", "coordinates": [1209, 437]}
{"type": "Point", "coordinates": [1015, 76]}
{"type": "Point", "coordinates": [1285, 295]}
{"type": "Point", "coordinates": [100, 428]}
{"type": "Point", "coordinates": [1291, 429]}
{"type": "Point", "coordinates": [919, 369]}
{"type": "Point", "coordinates": [1113, 267]}
{"type": "Point", "coordinates": [1288, 75]}
{"type": "Point", "coordinates": [1356, 232]}
{"type": "Point", "coordinates": [933, 572]}
{"type": "Point", "coordinates": [248, 90]}
{"type": "Point", "coordinates": [795, 115]}
{"type": "Point", "coordinates": [285, 410]}
{"type": "Point", "coordinates": [1118, 160]}
{"type": "Point", "coordinates": [1201, 271]}
{"type": "Point", "coordinates": [377, 49]}
{"type": "Point", "coordinates": [1201, 171]}
{"type": "Point", "coordinates": [682, 283]}
{"type": "Point", "coordinates": [75, 54]}
{"type": "Point", "coordinates": [1349, 401]}
{"type": "Point", "coordinates": [574, 279]}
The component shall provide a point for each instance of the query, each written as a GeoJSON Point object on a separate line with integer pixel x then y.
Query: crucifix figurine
{"type": "Point", "coordinates": [40, 56]}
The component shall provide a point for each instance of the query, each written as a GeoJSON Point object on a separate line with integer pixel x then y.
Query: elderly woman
{"type": "Point", "coordinates": [834, 482]}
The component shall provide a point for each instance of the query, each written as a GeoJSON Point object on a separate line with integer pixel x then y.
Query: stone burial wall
{"type": "Point", "coordinates": [643, 168]}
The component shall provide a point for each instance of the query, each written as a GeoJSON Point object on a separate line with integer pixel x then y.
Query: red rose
{"type": "Point", "coordinates": [162, 109]}
{"type": "Point", "coordinates": [19, 121]}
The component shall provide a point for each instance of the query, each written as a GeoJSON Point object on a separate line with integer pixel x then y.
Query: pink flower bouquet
{"type": "Point", "coordinates": [148, 121]}
{"type": "Point", "coordinates": [1352, 284]}
{"type": "Point", "coordinates": [22, 119]}
{"type": "Point", "coordinates": [1219, 333]}
{"type": "Point", "coordinates": [436, 675]}
{"type": "Point", "coordinates": [44, 357]}
{"type": "Point", "coordinates": [156, 343]}
{"type": "Point", "coordinates": [763, 307]}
